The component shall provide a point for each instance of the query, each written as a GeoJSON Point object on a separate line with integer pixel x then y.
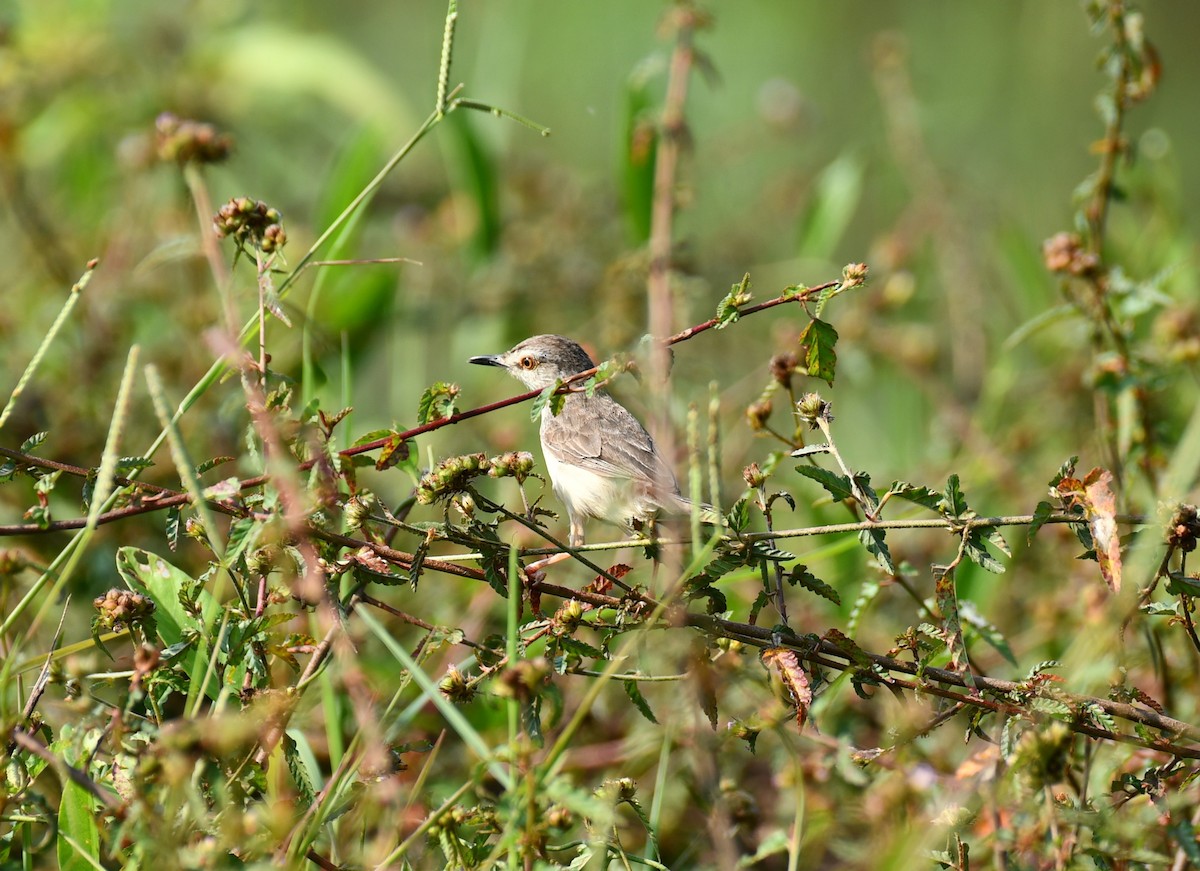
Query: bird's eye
{"type": "Point", "coordinates": [527, 362]}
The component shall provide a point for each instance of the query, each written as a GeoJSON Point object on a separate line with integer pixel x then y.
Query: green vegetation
{"type": "Point", "coordinates": [905, 297]}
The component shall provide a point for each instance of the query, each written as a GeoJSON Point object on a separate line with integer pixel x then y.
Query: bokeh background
{"type": "Point", "coordinates": [940, 143]}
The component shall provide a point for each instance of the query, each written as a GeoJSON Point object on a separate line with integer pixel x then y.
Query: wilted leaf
{"type": "Point", "coordinates": [1102, 520]}
{"type": "Point", "coordinates": [783, 663]}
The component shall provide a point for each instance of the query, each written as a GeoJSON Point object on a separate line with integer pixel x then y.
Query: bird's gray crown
{"type": "Point", "coordinates": [539, 361]}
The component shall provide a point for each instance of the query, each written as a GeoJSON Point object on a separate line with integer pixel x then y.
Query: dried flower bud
{"type": "Point", "coordinates": [617, 791]}
{"type": "Point", "coordinates": [783, 367]}
{"type": "Point", "coordinates": [758, 413]}
{"type": "Point", "coordinates": [812, 409]}
{"type": "Point", "coordinates": [355, 512]}
{"type": "Point", "coordinates": [1064, 252]}
{"type": "Point", "coordinates": [1184, 528]}
{"type": "Point", "coordinates": [753, 476]}
{"type": "Point", "coordinates": [456, 687]}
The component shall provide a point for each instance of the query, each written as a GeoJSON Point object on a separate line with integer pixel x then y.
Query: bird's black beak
{"type": "Point", "coordinates": [487, 360]}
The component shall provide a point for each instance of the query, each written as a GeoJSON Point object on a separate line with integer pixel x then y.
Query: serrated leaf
{"type": "Point", "coordinates": [727, 308]}
{"type": "Point", "coordinates": [818, 340]}
{"type": "Point", "coordinates": [838, 486]}
{"type": "Point", "coordinates": [873, 541]}
{"type": "Point", "coordinates": [32, 442]}
{"type": "Point", "coordinates": [437, 402]}
{"type": "Point", "coordinates": [953, 502]}
{"type": "Point", "coordinates": [295, 767]}
{"type": "Point", "coordinates": [639, 701]}
{"type": "Point", "coordinates": [242, 534]}
{"type": "Point", "coordinates": [531, 720]}
{"type": "Point", "coordinates": [802, 577]}
{"type": "Point", "coordinates": [209, 465]}
{"type": "Point", "coordinates": [174, 527]}
{"type": "Point", "coordinates": [547, 399]}
{"type": "Point", "coordinates": [919, 495]}
{"type": "Point", "coordinates": [738, 516]}
{"type": "Point", "coordinates": [980, 555]}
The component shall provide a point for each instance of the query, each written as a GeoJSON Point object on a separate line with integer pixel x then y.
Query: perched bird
{"type": "Point", "coordinates": [602, 462]}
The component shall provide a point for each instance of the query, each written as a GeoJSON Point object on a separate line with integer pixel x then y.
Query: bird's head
{"type": "Point", "coordinates": [540, 361]}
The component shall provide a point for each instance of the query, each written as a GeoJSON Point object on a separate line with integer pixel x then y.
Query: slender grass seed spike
{"type": "Point", "coordinates": [601, 460]}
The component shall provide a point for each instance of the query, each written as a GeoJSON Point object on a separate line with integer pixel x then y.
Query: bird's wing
{"type": "Point", "coordinates": [610, 442]}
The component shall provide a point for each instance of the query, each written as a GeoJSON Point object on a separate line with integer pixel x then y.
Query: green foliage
{"type": "Point", "coordinates": [356, 655]}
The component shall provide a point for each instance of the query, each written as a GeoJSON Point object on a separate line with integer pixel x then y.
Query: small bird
{"type": "Point", "coordinates": [602, 462]}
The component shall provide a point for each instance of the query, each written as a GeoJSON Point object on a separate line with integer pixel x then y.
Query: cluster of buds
{"type": "Point", "coordinates": [812, 409]}
{"type": "Point", "coordinates": [854, 275]}
{"type": "Point", "coordinates": [119, 608]}
{"type": "Point", "coordinates": [512, 464]}
{"type": "Point", "coordinates": [1184, 528]}
{"type": "Point", "coordinates": [1064, 252]}
{"type": "Point", "coordinates": [183, 141]}
{"type": "Point", "coordinates": [251, 222]}
{"type": "Point", "coordinates": [451, 476]}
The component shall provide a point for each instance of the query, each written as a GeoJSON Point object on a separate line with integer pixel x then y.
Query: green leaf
{"type": "Point", "coordinates": [437, 402]}
{"type": "Point", "coordinates": [801, 576]}
{"type": "Point", "coordinates": [162, 582]}
{"type": "Point", "coordinates": [548, 398]}
{"type": "Point", "coordinates": [32, 442]}
{"type": "Point", "coordinates": [79, 834]}
{"type": "Point", "coordinates": [639, 701]}
{"type": "Point", "coordinates": [919, 495]}
{"type": "Point", "coordinates": [1040, 515]}
{"type": "Point", "coordinates": [953, 503]}
{"type": "Point", "coordinates": [207, 465]}
{"type": "Point", "coordinates": [174, 527]}
{"type": "Point", "coordinates": [640, 146]}
{"type": "Point", "coordinates": [873, 541]}
{"type": "Point", "coordinates": [295, 767]}
{"type": "Point", "coordinates": [977, 550]}
{"type": "Point", "coordinates": [818, 340]}
{"type": "Point", "coordinates": [727, 309]}
{"type": "Point", "coordinates": [838, 485]}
